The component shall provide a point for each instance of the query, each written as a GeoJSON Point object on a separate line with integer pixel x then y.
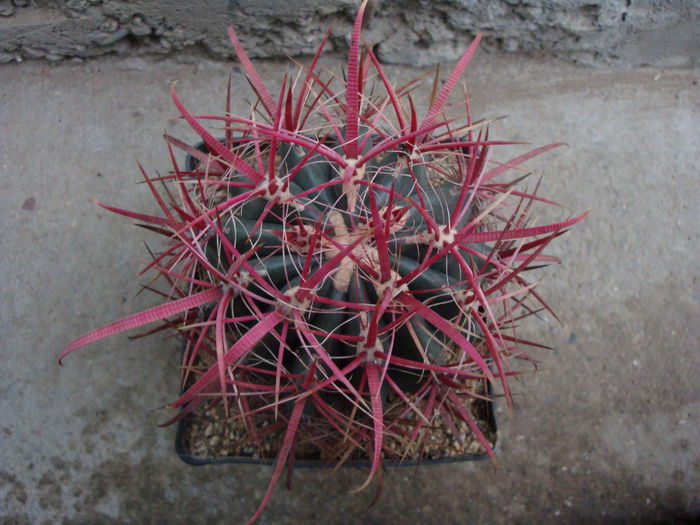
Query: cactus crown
{"type": "Point", "coordinates": [340, 266]}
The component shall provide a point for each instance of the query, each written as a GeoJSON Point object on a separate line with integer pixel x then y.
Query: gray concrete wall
{"type": "Point", "coordinates": [624, 33]}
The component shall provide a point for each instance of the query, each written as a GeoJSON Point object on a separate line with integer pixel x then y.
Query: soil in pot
{"type": "Point", "coordinates": [211, 437]}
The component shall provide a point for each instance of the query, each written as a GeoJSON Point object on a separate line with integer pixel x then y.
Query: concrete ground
{"type": "Point", "coordinates": [607, 432]}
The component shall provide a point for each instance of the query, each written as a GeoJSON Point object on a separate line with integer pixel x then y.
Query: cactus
{"type": "Point", "coordinates": [394, 194]}
{"type": "Point", "coordinates": [338, 266]}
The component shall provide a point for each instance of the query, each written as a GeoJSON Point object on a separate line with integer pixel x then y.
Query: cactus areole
{"type": "Point", "coordinates": [344, 271]}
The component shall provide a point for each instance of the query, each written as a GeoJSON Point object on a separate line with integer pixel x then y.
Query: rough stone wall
{"type": "Point", "coordinates": [419, 32]}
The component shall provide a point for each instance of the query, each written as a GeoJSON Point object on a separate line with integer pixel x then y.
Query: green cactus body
{"type": "Point", "coordinates": [285, 235]}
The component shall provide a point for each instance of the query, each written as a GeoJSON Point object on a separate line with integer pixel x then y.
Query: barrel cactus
{"type": "Point", "coordinates": [339, 267]}
{"type": "Point", "coordinates": [393, 214]}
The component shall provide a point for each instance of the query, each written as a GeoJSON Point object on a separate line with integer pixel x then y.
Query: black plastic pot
{"type": "Point", "coordinates": [196, 460]}
{"type": "Point", "coordinates": [191, 163]}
